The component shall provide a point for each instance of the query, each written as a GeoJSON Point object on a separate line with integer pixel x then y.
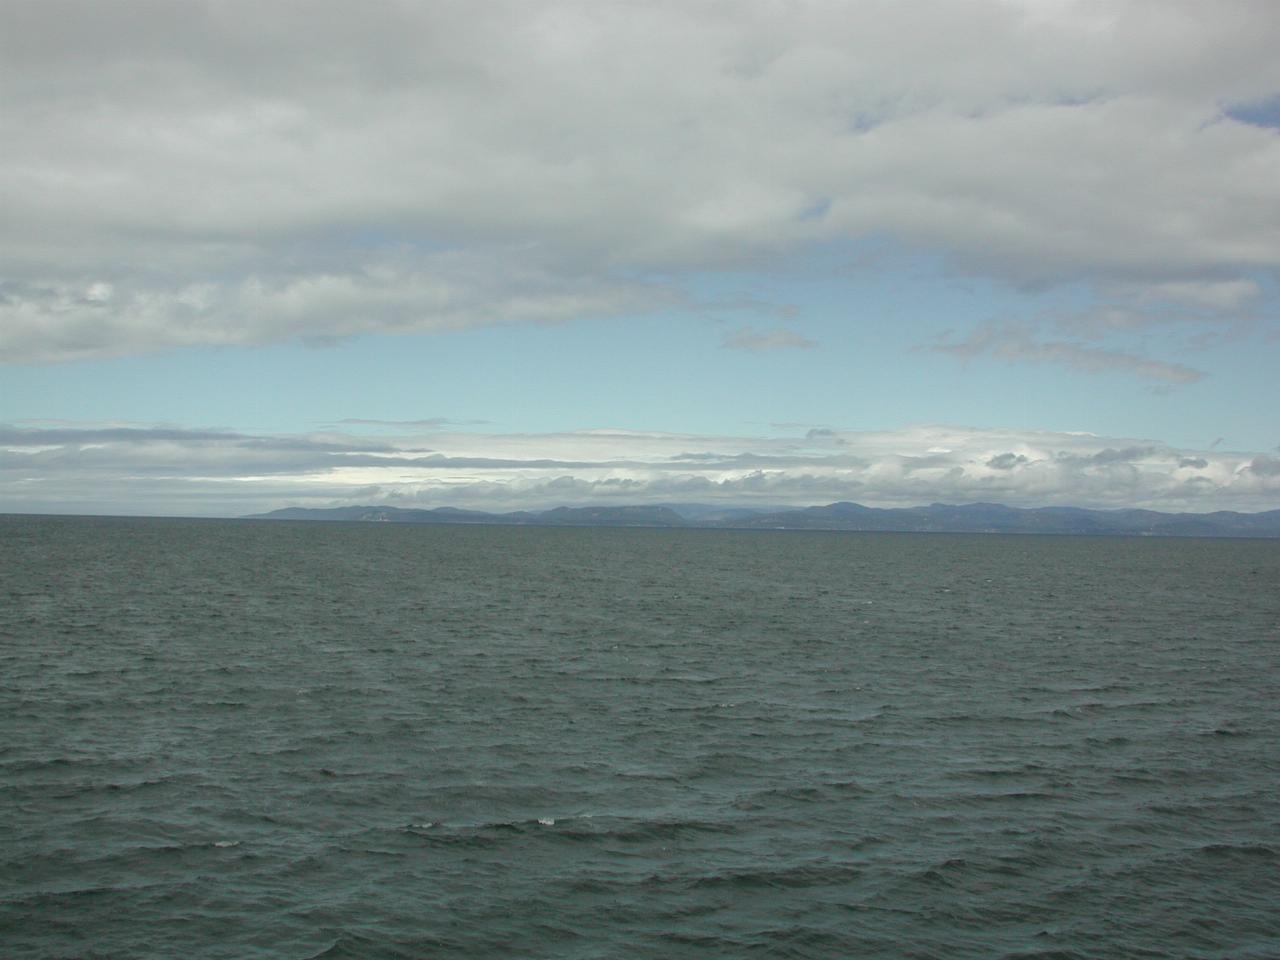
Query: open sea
{"type": "Point", "coordinates": [241, 739]}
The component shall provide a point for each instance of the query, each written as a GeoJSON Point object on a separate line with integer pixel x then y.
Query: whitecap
{"type": "Point", "coordinates": [226, 843]}
{"type": "Point", "coordinates": [547, 821]}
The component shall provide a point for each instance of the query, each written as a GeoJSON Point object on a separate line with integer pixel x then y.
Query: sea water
{"type": "Point", "coordinates": [233, 739]}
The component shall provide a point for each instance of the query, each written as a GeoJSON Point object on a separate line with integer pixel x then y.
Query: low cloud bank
{"type": "Point", "coordinates": [168, 470]}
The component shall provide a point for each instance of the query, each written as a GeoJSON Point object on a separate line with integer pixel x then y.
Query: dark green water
{"type": "Point", "coordinates": [226, 739]}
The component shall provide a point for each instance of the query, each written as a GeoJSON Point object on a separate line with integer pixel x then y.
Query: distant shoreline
{"type": "Point", "coordinates": [937, 518]}
{"type": "Point", "coordinates": [842, 516]}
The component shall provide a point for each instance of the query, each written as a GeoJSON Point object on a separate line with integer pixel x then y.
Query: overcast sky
{"type": "Point", "coordinates": [507, 254]}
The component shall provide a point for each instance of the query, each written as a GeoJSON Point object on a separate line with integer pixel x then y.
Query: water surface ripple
{"type": "Point", "coordinates": [225, 739]}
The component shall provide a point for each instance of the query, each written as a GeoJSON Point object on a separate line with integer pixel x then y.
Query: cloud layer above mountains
{"type": "Point", "coordinates": [235, 173]}
{"type": "Point", "coordinates": [139, 469]}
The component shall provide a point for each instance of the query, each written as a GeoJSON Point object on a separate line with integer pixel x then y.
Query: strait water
{"type": "Point", "coordinates": [229, 739]}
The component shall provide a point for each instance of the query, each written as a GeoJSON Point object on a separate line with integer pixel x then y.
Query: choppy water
{"type": "Point", "coordinates": [227, 739]}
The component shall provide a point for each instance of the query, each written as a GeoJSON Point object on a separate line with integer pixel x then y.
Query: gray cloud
{"type": "Point", "coordinates": [1265, 466]}
{"type": "Point", "coordinates": [1125, 455]}
{"type": "Point", "coordinates": [235, 173]}
{"type": "Point", "coordinates": [1209, 310]}
{"type": "Point", "coordinates": [196, 452]}
{"type": "Point", "coordinates": [749, 338]}
{"type": "Point", "coordinates": [1018, 342]}
{"type": "Point", "coordinates": [1006, 461]}
{"type": "Point", "coordinates": [260, 303]}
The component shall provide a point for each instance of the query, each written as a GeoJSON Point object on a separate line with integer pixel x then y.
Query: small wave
{"type": "Point", "coordinates": [355, 946]}
{"type": "Point", "coordinates": [787, 941]}
{"type": "Point", "coordinates": [452, 838]}
{"type": "Point", "coordinates": [572, 829]}
{"type": "Point", "coordinates": [952, 801]}
{"type": "Point", "coordinates": [646, 775]}
{"type": "Point", "coordinates": [46, 763]}
{"type": "Point", "coordinates": [800, 793]}
{"type": "Point", "coordinates": [821, 873]}
{"type": "Point", "coordinates": [997, 773]}
{"type": "Point", "coordinates": [1228, 729]}
{"type": "Point", "coordinates": [639, 831]}
{"type": "Point", "coordinates": [1116, 741]}
{"type": "Point", "coordinates": [479, 834]}
{"type": "Point", "coordinates": [723, 946]}
{"type": "Point", "coordinates": [1249, 850]}
{"type": "Point", "coordinates": [943, 874]}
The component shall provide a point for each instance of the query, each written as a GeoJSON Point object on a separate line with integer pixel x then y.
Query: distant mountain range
{"type": "Point", "coordinates": [935, 518]}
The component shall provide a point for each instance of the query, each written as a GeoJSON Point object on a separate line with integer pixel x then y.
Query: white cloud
{"type": "Point", "coordinates": [227, 172]}
{"type": "Point", "coordinates": [110, 469]}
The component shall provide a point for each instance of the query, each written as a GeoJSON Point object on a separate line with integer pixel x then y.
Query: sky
{"type": "Point", "coordinates": [507, 255]}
